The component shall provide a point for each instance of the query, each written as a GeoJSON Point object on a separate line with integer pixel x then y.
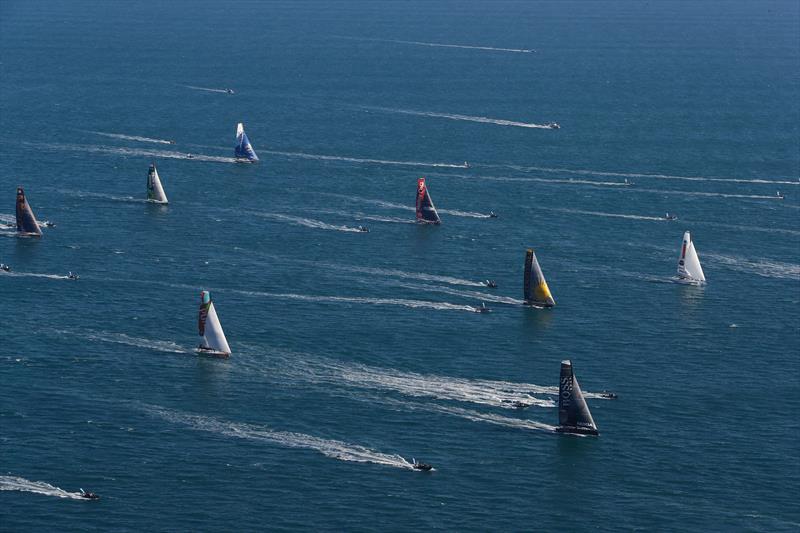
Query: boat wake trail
{"type": "Point", "coordinates": [482, 296]}
{"type": "Point", "coordinates": [402, 274]}
{"type": "Point", "coordinates": [711, 194]}
{"type": "Point", "coordinates": [14, 273]}
{"type": "Point", "coordinates": [334, 449]}
{"type": "Point", "coordinates": [392, 205]}
{"type": "Point", "coordinates": [207, 89]}
{"type": "Point", "coordinates": [104, 196]}
{"type": "Point", "coordinates": [132, 137]}
{"type": "Point", "coordinates": [364, 216]}
{"type": "Point", "coordinates": [307, 222]}
{"type": "Point", "coordinates": [453, 116]}
{"type": "Point", "coordinates": [94, 149]}
{"type": "Point", "coordinates": [38, 487]}
{"type": "Point", "coordinates": [414, 304]}
{"type": "Point", "coordinates": [441, 45]}
{"type": "Point", "coordinates": [121, 338]}
{"type": "Point", "coordinates": [760, 267]}
{"type": "Point", "coordinates": [642, 175]}
{"type": "Point", "coordinates": [486, 392]}
{"type": "Point", "coordinates": [475, 416]}
{"type": "Point", "coordinates": [549, 181]}
{"type": "Point", "coordinates": [362, 160]}
{"type": "Point", "coordinates": [602, 214]}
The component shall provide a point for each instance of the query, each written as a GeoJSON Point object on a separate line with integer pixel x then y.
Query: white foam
{"type": "Point", "coordinates": [443, 45]}
{"type": "Point", "coordinates": [125, 151]}
{"type": "Point", "coordinates": [455, 116]}
{"type": "Point", "coordinates": [363, 160]}
{"type": "Point", "coordinates": [132, 137]}
{"type": "Point", "coordinates": [603, 214]}
{"type": "Point", "coordinates": [392, 205]}
{"type": "Point", "coordinates": [403, 274]}
{"type": "Point", "coordinates": [307, 222]}
{"type": "Point", "coordinates": [475, 416]}
{"type": "Point", "coordinates": [208, 89]}
{"type": "Point", "coordinates": [761, 267]}
{"type": "Point", "coordinates": [15, 273]}
{"type": "Point", "coordinates": [481, 296]}
{"type": "Point", "coordinates": [121, 338]}
{"type": "Point", "coordinates": [644, 175]}
{"type": "Point", "coordinates": [89, 194]}
{"type": "Point", "coordinates": [562, 181]}
{"type": "Point", "coordinates": [38, 487]}
{"type": "Point", "coordinates": [335, 449]}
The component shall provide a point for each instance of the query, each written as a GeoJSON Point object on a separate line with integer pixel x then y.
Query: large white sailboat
{"type": "Point", "coordinates": [155, 191]}
{"type": "Point", "coordinates": [214, 341]}
{"type": "Point", "coordinates": [689, 269]}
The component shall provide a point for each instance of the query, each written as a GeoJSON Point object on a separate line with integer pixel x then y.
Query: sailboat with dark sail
{"type": "Point", "coordinates": [536, 291]}
{"type": "Point", "coordinates": [244, 150]}
{"type": "Point", "coordinates": [155, 191]}
{"type": "Point", "coordinates": [26, 222]}
{"type": "Point", "coordinates": [214, 341]}
{"type": "Point", "coordinates": [426, 211]}
{"type": "Point", "coordinates": [573, 413]}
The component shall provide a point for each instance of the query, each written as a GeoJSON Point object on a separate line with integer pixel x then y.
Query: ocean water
{"type": "Point", "coordinates": [355, 352]}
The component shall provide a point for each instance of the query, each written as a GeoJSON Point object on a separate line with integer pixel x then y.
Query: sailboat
{"type": "Point", "coordinates": [244, 150]}
{"type": "Point", "coordinates": [26, 222]}
{"type": "Point", "coordinates": [573, 413]}
{"type": "Point", "coordinates": [426, 212]}
{"type": "Point", "coordinates": [689, 269]}
{"type": "Point", "coordinates": [214, 341]}
{"type": "Point", "coordinates": [155, 192]}
{"type": "Point", "coordinates": [536, 291]}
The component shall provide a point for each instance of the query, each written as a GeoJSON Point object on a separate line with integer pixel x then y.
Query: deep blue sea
{"type": "Point", "coordinates": [355, 352]}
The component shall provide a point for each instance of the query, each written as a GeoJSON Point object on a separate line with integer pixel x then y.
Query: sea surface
{"type": "Point", "coordinates": [354, 353]}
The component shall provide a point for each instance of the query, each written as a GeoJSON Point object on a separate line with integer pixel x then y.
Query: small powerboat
{"type": "Point", "coordinates": [425, 467]}
{"type": "Point", "coordinates": [72, 275]}
{"type": "Point", "coordinates": [490, 283]}
{"type": "Point", "coordinates": [483, 309]}
{"type": "Point", "coordinates": [189, 156]}
{"type": "Point", "coordinates": [779, 195]}
{"type": "Point", "coordinates": [667, 216]}
{"type": "Point", "coordinates": [48, 224]}
{"type": "Point", "coordinates": [520, 405]}
{"type": "Point", "coordinates": [608, 395]}
{"type": "Point", "coordinates": [4, 267]}
{"type": "Point", "coordinates": [229, 91]}
{"type": "Point", "coordinates": [363, 229]}
{"type": "Point", "coordinates": [553, 125]}
{"type": "Point", "coordinates": [492, 214]}
{"type": "Point", "coordinates": [89, 495]}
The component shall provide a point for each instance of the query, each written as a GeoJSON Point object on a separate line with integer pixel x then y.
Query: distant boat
{"type": "Point", "coordinates": [155, 192]}
{"type": "Point", "coordinates": [214, 341]}
{"type": "Point", "coordinates": [426, 212]}
{"type": "Point", "coordinates": [244, 150]}
{"type": "Point", "coordinates": [689, 269]}
{"type": "Point", "coordinates": [573, 413]}
{"type": "Point", "coordinates": [536, 291]}
{"type": "Point", "coordinates": [26, 222]}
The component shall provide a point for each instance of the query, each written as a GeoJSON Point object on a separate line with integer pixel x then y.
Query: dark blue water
{"type": "Point", "coordinates": [354, 352]}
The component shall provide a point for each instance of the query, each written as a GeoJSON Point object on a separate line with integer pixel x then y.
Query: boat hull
{"type": "Point", "coordinates": [211, 353]}
{"type": "Point", "coordinates": [577, 430]}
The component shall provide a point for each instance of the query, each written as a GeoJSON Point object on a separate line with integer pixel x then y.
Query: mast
{"type": "Point", "coordinates": [26, 222]}
{"type": "Point", "coordinates": [244, 150]}
{"type": "Point", "coordinates": [689, 263]}
{"type": "Point", "coordinates": [210, 328]}
{"type": "Point", "coordinates": [155, 191]}
{"type": "Point", "coordinates": [573, 413]}
{"type": "Point", "coordinates": [426, 212]}
{"type": "Point", "coordinates": [535, 289]}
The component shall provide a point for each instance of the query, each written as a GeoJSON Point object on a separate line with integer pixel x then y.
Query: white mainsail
{"type": "Point", "coordinates": [155, 191]}
{"type": "Point", "coordinates": [689, 264]}
{"type": "Point", "coordinates": [210, 328]}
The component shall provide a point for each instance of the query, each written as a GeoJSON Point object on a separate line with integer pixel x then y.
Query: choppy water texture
{"type": "Point", "coordinates": [355, 353]}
